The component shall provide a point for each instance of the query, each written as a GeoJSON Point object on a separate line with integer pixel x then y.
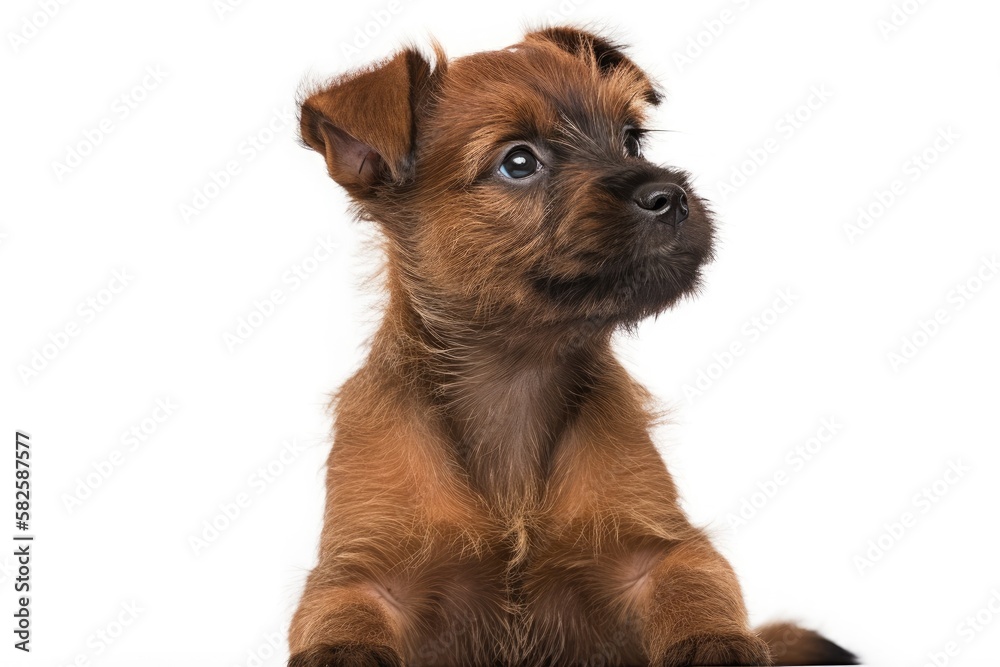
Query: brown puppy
{"type": "Point", "coordinates": [494, 497]}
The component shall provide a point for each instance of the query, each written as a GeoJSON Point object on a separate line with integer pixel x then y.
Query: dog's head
{"type": "Point", "coordinates": [512, 183]}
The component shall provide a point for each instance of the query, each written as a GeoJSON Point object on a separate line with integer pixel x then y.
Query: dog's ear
{"type": "Point", "coordinates": [363, 123]}
{"type": "Point", "coordinates": [607, 55]}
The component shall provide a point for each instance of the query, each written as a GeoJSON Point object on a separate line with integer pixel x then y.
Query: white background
{"type": "Point", "coordinates": [228, 76]}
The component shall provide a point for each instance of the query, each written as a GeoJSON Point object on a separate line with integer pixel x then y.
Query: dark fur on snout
{"type": "Point", "coordinates": [493, 494]}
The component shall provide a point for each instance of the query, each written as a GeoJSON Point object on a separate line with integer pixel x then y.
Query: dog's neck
{"type": "Point", "coordinates": [506, 409]}
{"type": "Point", "coordinates": [505, 395]}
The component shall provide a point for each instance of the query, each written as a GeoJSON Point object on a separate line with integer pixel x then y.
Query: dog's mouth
{"type": "Point", "coordinates": [632, 288]}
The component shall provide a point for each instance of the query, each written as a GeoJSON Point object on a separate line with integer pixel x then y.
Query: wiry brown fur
{"type": "Point", "coordinates": [494, 497]}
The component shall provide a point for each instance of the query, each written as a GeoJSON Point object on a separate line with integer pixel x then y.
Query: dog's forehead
{"type": "Point", "coordinates": [505, 80]}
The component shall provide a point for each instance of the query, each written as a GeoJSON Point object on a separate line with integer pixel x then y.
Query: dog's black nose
{"type": "Point", "coordinates": [664, 201]}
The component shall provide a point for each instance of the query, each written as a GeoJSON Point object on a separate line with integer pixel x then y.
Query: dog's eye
{"type": "Point", "coordinates": [519, 163]}
{"type": "Point", "coordinates": [633, 143]}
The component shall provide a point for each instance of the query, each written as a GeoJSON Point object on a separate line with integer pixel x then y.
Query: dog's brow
{"type": "Point", "coordinates": [522, 132]}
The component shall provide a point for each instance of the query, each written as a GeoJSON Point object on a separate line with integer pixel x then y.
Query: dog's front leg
{"type": "Point", "coordinates": [693, 612]}
{"type": "Point", "coordinates": [343, 627]}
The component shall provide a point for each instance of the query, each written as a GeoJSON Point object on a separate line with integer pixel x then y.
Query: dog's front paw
{"type": "Point", "coordinates": [346, 655]}
{"type": "Point", "coordinates": [711, 648]}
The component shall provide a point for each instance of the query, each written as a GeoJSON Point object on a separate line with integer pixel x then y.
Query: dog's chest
{"type": "Point", "coordinates": [518, 600]}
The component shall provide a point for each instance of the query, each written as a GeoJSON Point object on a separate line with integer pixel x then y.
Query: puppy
{"type": "Point", "coordinates": [493, 494]}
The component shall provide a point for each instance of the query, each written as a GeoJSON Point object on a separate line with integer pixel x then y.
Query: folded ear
{"type": "Point", "coordinates": [605, 54]}
{"type": "Point", "coordinates": [363, 123]}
